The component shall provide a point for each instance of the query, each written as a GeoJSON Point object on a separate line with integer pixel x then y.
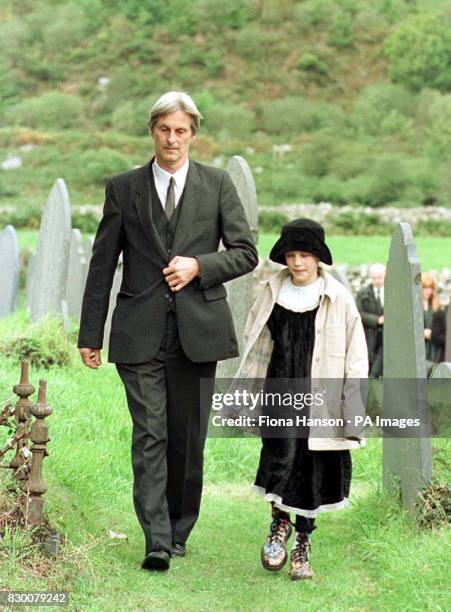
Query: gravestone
{"type": "Point", "coordinates": [76, 275]}
{"type": "Point", "coordinates": [448, 333]}
{"type": "Point", "coordinates": [117, 280]}
{"type": "Point", "coordinates": [406, 461]}
{"type": "Point", "coordinates": [9, 270]}
{"type": "Point", "coordinates": [339, 273]}
{"type": "Point", "coordinates": [443, 370]}
{"type": "Point", "coordinates": [29, 280]}
{"type": "Point", "coordinates": [87, 247]}
{"type": "Point", "coordinates": [48, 281]}
{"type": "Point", "coordinates": [239, 290]}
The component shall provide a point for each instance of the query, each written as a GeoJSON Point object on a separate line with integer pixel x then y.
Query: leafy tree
{"type": "Point", "coordinates": [419, 52]}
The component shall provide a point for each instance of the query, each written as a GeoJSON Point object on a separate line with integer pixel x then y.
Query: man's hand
{"type": "Point", "coordinates": [180, 272]}
{"type": "Point", "coordinates": [91, 357]}
{"type": "Point", "coordinates": [380, 320]}
{"type": "Point", "coordinates": [427, 333]}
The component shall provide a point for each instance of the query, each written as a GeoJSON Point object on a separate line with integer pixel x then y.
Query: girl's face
{"type": "Point", "coordinates": [303, 267]}
{"type": "Point", "coordinates": [427, 293]}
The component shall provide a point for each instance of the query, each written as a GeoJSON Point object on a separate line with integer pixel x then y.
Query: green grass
{"type": "Point", "coordinates": [434, 252]}
{"type": "Point", "coordinates": [368, 557]}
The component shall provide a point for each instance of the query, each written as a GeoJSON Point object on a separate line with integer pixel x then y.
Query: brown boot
{"type": "Point", "coordinates": [274, 551]}
{"type": "Point", "coordinates": [300, 568]}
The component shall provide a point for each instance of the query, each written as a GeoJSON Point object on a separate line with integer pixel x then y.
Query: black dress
{"type": "Point", "coordinates": [297, 479]}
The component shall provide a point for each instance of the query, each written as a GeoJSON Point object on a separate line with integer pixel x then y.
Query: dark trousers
{"type": "Point", "coordinates": [169, 431]}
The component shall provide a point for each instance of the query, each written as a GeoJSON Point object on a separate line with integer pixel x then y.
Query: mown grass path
{"type": "Point", "coordinates": [368, 557]}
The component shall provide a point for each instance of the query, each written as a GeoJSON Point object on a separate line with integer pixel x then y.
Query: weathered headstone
{"type": "Point", "coordinates": [339, 272]}
{"type": "Point", "coordinates": [240, 289]}
{"type": "Point", "coordinates": [448, 334]}
{"type": "Point", "coordinates": [29, 283]}
{"type": "Point", "coordinates": [117, 280]}
{"type": "Point", "coordinates": [76, 275]}
{"type": "Point", "coordinates": [9, 270]}
{"type": "Point", "coordinates": [48, 281]}
{"type": "Point", "coordinates": [406, 461]}
{"type": "Point", "coordinates": [443, 370]}
{"type": "Point", "coordinates": [87, 246]}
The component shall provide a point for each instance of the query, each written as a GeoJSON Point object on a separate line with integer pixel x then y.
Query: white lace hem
{"type": "Point", "coordinates": [272, 497]}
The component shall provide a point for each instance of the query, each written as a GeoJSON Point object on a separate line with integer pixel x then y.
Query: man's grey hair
{"type": "Point", "coordinates": [171, 102]}
{"type": "Point", "coordinates": [377, 268]}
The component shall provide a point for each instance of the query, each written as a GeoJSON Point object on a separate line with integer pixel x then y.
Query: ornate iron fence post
{"type": "Point", "coordinates": [35, 486]}
{"type": "Point", "coordinates": [22, 418]}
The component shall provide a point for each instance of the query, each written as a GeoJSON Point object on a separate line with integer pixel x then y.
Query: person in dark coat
{"type": "Point", "coordinates": [370, 302]}
{"type": "Point", "coordinates": [172, 322]}
{"type": "Point", "coordinates": [434, 321]}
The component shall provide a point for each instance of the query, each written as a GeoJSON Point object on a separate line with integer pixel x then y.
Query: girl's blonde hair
{"type": "Point", "coordinates": [427, 280]}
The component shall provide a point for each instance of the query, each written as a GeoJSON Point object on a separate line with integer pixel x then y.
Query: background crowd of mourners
{"type": "Point", "coordinates": [370, 302]}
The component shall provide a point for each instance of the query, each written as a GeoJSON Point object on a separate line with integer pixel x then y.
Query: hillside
{"type": "Point", "coordinates": [360, 91]}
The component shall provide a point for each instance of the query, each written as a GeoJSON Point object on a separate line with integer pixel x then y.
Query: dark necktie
{"type": "Point", "coordinates": [378, 298]}
{"type": "Point", "coordinates": [170, 199]}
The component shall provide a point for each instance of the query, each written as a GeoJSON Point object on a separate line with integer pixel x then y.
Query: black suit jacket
{"type": "Point", "coordinates": [370, 310]}
{"type": "Point", "coordinates": [211, 211]}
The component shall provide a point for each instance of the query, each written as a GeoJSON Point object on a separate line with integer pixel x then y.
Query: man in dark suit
{"type": "Point", "coordinates": [370, 302]}
{"type": "Point", "coordinates": [172, 322]}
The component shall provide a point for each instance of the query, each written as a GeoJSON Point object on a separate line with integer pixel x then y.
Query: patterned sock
{"type": "Point", "coordinates": [278, 513]}
{"type": "Point", "coordinates": [303, 534]}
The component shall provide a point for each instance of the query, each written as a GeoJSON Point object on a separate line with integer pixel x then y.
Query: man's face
{"type": "Point", "coordinates": [172, 136]}
{"type": "Point", "coordinates": [303, 267]}
{"type": "Point", "coordinates": [377, 279]}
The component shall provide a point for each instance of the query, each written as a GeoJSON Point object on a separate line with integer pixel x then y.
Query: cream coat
{"type": "Point", "coordinates": [339, 361]}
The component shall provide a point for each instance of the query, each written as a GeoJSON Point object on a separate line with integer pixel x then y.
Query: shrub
{"type": "Point", "coordinates": [57, 36]}
{"type": "Point", "coordinates": [419, 52]}
{"type": "Point", "coordinates": [341, 30]}
{"type": "Point", "coordinates": [438, 131]}
{"type": "Point", "coordinates": [270, 222]}
{"type": "Point", "coordinates": [86, 218]}
{"type": "Point", "coordinates": [96, 166]}
{"type": "Point", "coordinates": [379, 104]}
{"type": "Point", "coordinates": [53, 110]}
{"type": "Point", "coordinates": [44, 344]}
{"type": "Point", "coordinates": [312, 63]}
{"type": "Point", "coordinates": [20, 216]}
{"type": "Point", "coordinates": [131, 118]}
{"type": "Point", "coordinates": [430, 227]}
{"type": "Point", "coordinates": [329, 189]}
{"type": "Point", "coordinates": [291, 115]}
{"type": "Point", "coordinates": [228, 118]}
{"type": "Point", "coordinates": [318, 154]}
{"type": "Point", "coordinates": [387, 182]}
{"type": "Point", "coordinates": [356, 223]}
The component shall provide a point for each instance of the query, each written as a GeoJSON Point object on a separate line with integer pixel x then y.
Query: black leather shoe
{"type": "Point", "coordinates": [178, 550]}
{"type": "Point", "coordinates": [158, 560]}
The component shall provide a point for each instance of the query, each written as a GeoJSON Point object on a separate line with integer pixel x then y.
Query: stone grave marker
{"type": "Point", "coordinates": [239, 290]}
{"type": "Point", "coordinates": [443, 370]}
{"type": "Point", "coordinates": [117, 280]}
{"type": "Point", "coordinates": [49, 269]}
{"type": "Point", "coordinates": [339, 272]}
{"type": "Point", "coordinates": [87, 246]}
{"type": "Point", "coordinates": [76, 275]}
{"type": "Point", "coordinates": [29, 279]}
{"type": "Point", "coordinates": [406, 461]}
{"type": "Point", "coordinates": [9, 270]}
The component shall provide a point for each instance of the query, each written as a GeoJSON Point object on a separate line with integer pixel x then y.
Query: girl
{"type": "Point", "coordinates": [304, 325]}
{"type": "Point", "coordinates": [434, 320]}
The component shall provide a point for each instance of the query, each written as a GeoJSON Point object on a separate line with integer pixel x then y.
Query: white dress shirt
{"type": "Point", "coordinates": [379, 290]}
{"type": "Point", "coordinates": [162, 178]}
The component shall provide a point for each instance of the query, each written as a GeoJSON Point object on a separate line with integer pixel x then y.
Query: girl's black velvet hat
{"type": "Point", "coordinates": [301, 235]}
